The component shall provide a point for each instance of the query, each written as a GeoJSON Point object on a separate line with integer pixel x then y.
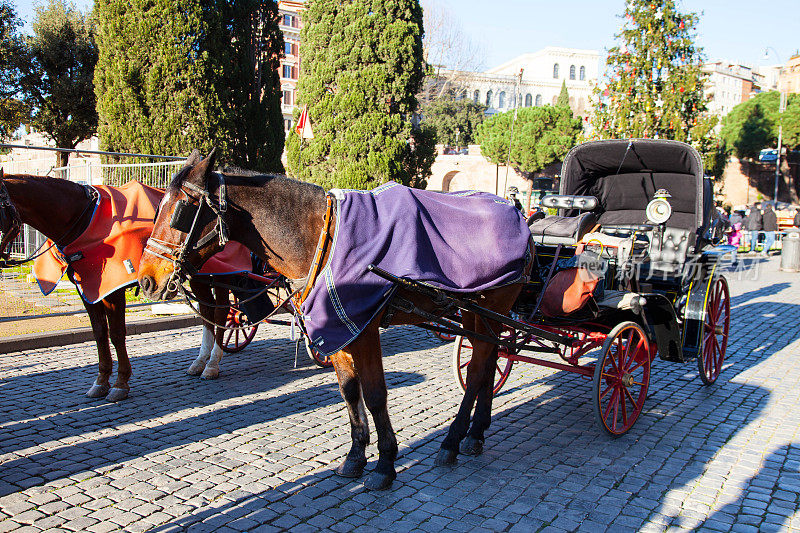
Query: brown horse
{"type": "Point", "coordinates": [61, 210]}
{"type": "Point", "coordinates": [281, 220]}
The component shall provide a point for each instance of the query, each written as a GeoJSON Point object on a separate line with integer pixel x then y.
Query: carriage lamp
{"type": "Point", "coordinates": [659, 209]}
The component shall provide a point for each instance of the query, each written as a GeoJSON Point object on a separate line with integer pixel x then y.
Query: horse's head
{"type": "Point", "coordinates": [10, 223]}
{"type": "Point", "coordinates": [188, 229]}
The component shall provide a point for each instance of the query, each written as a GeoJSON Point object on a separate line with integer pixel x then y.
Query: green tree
{"type": "Point", "coordinates": [58, 65]}
{"type": "Point", "coordinates": [655, 85]}
{"type": "Point", "coordinates": [12, 110]}
{"type": "Point", "coordinates": [362, 70]}
{"type": "Point", "coordinates": [753, 124]}
{"type": "Point", "coordinates": [542, 135]}
{"type": "Point", "coordinates": [174, 76]}
{"type": "Point", "coordinates": [563, 96]}
{"type": "Point", "coordinates": [448, 117]}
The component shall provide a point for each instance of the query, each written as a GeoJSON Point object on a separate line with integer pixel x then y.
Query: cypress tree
{"type": "Point", "coordinates": [174, 76]}
{"type": "Point", "coordinates": [563, 96]}
{"type": "Point", "coordinates": [362, 68]}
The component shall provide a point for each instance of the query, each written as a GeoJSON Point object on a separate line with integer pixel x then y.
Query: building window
{"type": "Point", "coordinates": [572, 72]}
{"type": "Point", "coordinates": [476, 97]}
{"type": "Point", "coordinates": [290, 72]}
{"type": "Point", "coordinates": [288, 20]}
{"type": "Point", "coordinates": [528, 100]}
{"type": "Point", "coordinates": [501, 103]}
{"type": "Point", "coordinates": [538, 100]}
{"type": "Point", "coordinates": [287, 124]}
{"type": "Point", "coordinates": [555, 100]}
{"type": "Point", "coordinates": [489, 98]}
{"type": "Point", "coordinates": [287, 97]}
{"type": "Point", "coordinates": [555, 71]}
{"type": "Point", "coordinates": [582, 74]}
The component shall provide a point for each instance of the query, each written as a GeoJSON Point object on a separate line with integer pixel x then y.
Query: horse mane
{"type": "Point", "coordinates": [237, 175]}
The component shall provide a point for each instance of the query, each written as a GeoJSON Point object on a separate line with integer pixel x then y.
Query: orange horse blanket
{"type": "Point", "coordinates": [106, 256]}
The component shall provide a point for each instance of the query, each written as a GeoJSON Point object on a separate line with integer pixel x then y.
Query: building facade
{"type": "Point", "coordinates": [291, 22]}
{"type": "Point", "coordinates": [789, 77]}
{"type": "Point", "coordinates": [543, 74]}
{"type": "Point", "coordinates": [729, 84]}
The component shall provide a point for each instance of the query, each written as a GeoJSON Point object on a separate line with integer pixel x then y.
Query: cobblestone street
{"type": "Point", "coordinates": [253, 449]}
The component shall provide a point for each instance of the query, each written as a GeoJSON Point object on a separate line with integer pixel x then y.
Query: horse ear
{"type": "Point", "coordinates": [206, 166]}
{"type": "Point", "coordinates": [193, 158]}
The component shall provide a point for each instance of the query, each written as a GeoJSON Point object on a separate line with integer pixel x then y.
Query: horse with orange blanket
{"type": "Point", "coordinates": [97, 236]}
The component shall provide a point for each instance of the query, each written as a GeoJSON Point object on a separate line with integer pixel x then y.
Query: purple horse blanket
{"type": "Point", "coordinates": [461, 242]}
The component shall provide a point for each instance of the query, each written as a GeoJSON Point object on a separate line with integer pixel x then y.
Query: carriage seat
{"type": "Point", "coordinates": [553, 230]}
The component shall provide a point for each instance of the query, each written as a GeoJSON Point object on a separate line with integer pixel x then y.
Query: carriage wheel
{"type": "Point", "coordinates": [621, 377]}
{"type": "Point", "coordinates": [462, 355]}
{"type": "Point", "coordinates": [235, 340]}
{"type": "Point", "coordinates": [323, 361]}
{"type": "Point", "coordinates": [715, 331]}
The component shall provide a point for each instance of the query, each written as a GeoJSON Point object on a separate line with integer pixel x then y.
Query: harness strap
{"type": "Point", "coordinates": [316, 265]}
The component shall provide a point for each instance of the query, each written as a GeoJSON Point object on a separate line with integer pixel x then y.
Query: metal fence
{"type": "Point", "coordinates": [19, 297]}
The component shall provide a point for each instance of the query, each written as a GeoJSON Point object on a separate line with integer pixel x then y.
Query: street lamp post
{"type": "Point", "coordinates": [781, 108]}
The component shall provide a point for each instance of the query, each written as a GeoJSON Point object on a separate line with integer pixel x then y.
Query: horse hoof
{"type": "Point", "coordinates": [351, 469]}
{"type": "Point", "coordinates": [446, 458]}
{"type": "Point", "coordinates": [97, 391]}
{"type": "Point", "coordinates": [196, 369]}
{"type": "Point", "coordinates": [116, 395]}
{"type": "Point", "coordinates": [210, 373]}
{"type": "Point", "coordinates": [471, 446]}
{"type": "Point", "coordinates": [378, 481]}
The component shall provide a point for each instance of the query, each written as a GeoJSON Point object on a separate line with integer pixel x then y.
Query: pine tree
{"type": "Point", "coordinates": [563, 96]}
{"type": "Point", "coordinates": [174, 76]}
{"type": "Point", "coordinates": [362, 68]}
{"type": "Point", "coordinates": [655, 84]}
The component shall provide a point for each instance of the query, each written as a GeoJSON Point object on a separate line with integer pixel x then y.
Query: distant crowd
{"type": "Point", "coordinates": [758, 220]}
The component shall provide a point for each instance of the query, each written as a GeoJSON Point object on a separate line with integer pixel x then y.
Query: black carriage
{"type": "Point", "coordinates": [638, 217]}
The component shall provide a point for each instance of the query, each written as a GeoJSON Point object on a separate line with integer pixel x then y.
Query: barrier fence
{"type": "Point", "coordinates": [20, 297]}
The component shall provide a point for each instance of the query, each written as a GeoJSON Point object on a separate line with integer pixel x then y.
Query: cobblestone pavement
{"type": "Point", "coordinates": [253, 449]}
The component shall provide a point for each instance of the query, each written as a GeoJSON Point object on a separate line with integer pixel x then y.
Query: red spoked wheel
{"type": "Point", "coordinates": [716, 326]}
{"type": "Point", "coordinates": [462, 355]}
{"type": "Point", "coordinates": [241, 332]}
{"type": "Point", "coordinates": [621, 377]}
{"type": "Point", "coordinates": [323, 361]}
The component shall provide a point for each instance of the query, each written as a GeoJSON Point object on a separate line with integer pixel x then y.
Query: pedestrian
{"type": "Point", "coordinates": [735, 231]}
{"type": "Point", "coordinates": [512, 195]}
{"type": "Point", "coordinates": [796, 221]}
{"type": "Point", "coordinates": [753, 225]}
{"type": "Point", "coordinates": [769, 223]}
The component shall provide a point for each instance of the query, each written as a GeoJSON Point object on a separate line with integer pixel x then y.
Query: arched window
{"type": "Point", "coordinates": [502, 100]}
{"type": "Point", "coordinates": [555, 71]}
{"type": "Point", "coordinates": [476, 97]}
{"type": "Point", "coordinates": [555, 100]}
{"type": "Point", "coordinates": [538, 100]}
{"type": "Point", "coordinates": [528, 100]}
{"type": "Point", "coordinates": [572, 101]}
{"type": "Point", "coordinates": [583, 73]}
{"type": "Point", "coordinates": [572, 72]}
{"type": "Point", "coordinates": [489, 98]}
{"type": "Point", "coordinates": [463, 95]}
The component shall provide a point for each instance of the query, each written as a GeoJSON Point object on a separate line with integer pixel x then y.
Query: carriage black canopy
{"type": "Point", "coordinates": [624, 174]}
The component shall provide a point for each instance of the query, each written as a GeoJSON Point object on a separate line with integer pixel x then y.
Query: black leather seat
{"type": "Point", "coordinates": [553, 230]}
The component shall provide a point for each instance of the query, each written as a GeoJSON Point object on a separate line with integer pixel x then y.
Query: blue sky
{"type": "Point", "coordinates": [736, 30]}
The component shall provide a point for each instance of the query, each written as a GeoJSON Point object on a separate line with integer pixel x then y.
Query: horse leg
{"type": "Point", "coordinates": [99, 323]}
{"type": "Point", "coordinates": [350, 387]}
{"type": "Point", "coordinates": [114, 307]}
{"type": "Point", "coordinates": [203, 293]}
{"type": "Point", "coordinates": [366, 353]}
{"type": "Point", "coordinates": [473, 442]}
{"type": "Point", "coordinates": [219, 314]}
{"type": "Point", "coordinates": [478, 373]}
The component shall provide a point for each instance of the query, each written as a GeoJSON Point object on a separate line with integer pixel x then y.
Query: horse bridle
{"type": "Point", "coordinates": [186, 218]}
{"type": "Point", "coordinates": [10, 225]}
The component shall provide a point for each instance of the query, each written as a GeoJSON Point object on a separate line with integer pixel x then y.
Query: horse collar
{"type": "Point", "coordinates": [316, 264]}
